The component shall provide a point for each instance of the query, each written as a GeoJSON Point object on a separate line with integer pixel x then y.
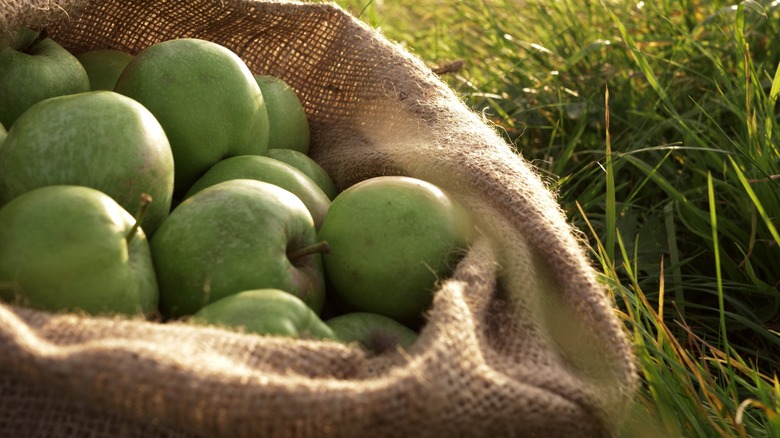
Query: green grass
{"type": "Point", "coordinates": [657, 125]}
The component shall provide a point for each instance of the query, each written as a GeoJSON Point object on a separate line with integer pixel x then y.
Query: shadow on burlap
{"type": "Point", "coordinates": [521, 341]}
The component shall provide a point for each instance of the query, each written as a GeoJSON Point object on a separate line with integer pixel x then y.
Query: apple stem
{"type": "Point", "coordinates": [320, 247]}
{"type": "Point", "coordinates": [146, 199]}
{"type": "Point", "coordinates": [42, 35]}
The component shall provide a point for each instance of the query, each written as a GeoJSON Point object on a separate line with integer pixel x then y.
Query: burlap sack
{"type": "Point", "coordinates": [521, 341]}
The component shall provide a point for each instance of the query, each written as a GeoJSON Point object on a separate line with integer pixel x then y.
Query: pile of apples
{"type": "Point", "coordinates": [175, 185]}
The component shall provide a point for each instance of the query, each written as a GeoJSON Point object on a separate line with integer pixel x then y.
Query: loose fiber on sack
{"type": "Point", "coordinates": [521, 341]}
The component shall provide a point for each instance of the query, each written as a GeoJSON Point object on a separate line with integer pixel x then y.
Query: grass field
{"type": "Point", "coordinates": [657, 125]}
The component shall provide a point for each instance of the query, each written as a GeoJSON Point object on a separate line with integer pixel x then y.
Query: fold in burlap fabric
{"type": "Point", "coordinates": [521, 341]}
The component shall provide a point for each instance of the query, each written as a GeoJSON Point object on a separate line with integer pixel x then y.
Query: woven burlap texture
{"type": "Point", "coordinates": [521, 341]}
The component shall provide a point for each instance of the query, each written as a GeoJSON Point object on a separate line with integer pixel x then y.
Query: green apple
{"type": "Point", "coordinates": [73, 248]}
{"type": "Point", "coordinates": [271, 171]}
{"type": "Point", "coordinates": [289, 127]}
{"type": "Point", "coordinates": [237, 235]}
{"type": "Point", "coordinates": [103, 66]}
{"type": "Point", "coordinates": [33, 68]}
{"type": "Point", "coordinates": [391, 239]}
{"type": "Point", "coordinates": [98, 139]}
{"type": "Point", "coordinates": [374, 332]}
{"type": "Point", "coordinates": [307, 165]}
{"type": "Point", "coordinates": [206, 99]}
{"type": "Point", "coordinates": [265, 312]}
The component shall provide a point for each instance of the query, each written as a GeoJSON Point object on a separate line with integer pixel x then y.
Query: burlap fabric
{"type": "Point", "coordinates": [521, 341]}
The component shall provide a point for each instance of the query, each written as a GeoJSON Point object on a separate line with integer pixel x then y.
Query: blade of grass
{"type": "Point", "coordinates": [770, 120]}
{"type": "Point", "coordinates": [674, 258]}
{"type": "Point", "coordinates": [611, 215]}
{"type": "Point", "coordinates": [724, 337]}
{"type": "Point", "coordinates": [756, 202]}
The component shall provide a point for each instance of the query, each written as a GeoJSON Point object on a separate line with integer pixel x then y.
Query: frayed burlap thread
{"type": "Point", "coordinates": [521, 341]}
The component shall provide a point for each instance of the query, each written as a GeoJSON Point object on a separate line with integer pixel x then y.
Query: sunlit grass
{"type": "Point", "coordinates": [656, 124]}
